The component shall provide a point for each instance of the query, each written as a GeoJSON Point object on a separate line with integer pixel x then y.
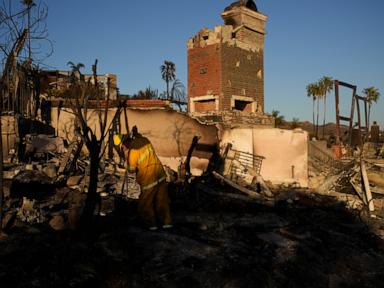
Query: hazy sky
{"type": "Point", "coordinates": [306, 39]}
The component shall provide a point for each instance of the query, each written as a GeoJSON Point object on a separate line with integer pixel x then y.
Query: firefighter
{"type": "Point", "coordinates": [141, 159]}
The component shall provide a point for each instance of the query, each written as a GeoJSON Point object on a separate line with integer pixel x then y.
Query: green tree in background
{"type": "Point", "coordinates": [295, 123]}
{"type": "Point", "coordinates": [319, 90]}
{"type": "Point", "coordinates": [168, 70]}
{"type": "Point", "coordinates": [326, 86]}
{"type": "Point", "coordinates": [372, 94]}
{"type": "Point", "coordinates": [75, 71]}
{"type": "Point", "coordinates": [279, 119]}
{"type": "Point", "coordinates": [313, 91]}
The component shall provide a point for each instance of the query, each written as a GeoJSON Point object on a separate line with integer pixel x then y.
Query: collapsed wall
{"type": "Point", "coordinates": [285, 151]}
{"type": "Point", "coordinates": [170, 132]}
{"type": "Point", "coordinates": [226, 64]}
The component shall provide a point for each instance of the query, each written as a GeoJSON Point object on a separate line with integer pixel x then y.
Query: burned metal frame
{"type": "Point", "coordinates": [344, 118]}
{"type": "Point", "coordinates": [366, 127]}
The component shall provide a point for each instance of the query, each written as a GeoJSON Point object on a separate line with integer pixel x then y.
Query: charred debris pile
{"type": "Point", "coordinates": [231, 229]}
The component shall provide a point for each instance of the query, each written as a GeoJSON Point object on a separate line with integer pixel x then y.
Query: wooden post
{"type": "Point", "coordinates": [195, 140]}
{"type": "Point", "coordinates": [338, 133]}
{"type": "Point", "coordinates": [352, 113]}
{"type": "Point", "coordinates": [367, 189]}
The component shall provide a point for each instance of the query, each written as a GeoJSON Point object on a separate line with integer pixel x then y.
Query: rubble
{"type": "Point", "coordinates": [244, 215]}
{"type": "Point", "coordinates": [221, 242]}
{"type": "Point", "coordinates": [230, 229]}
{"type": "Point", "coordinates": [233, 227]}
{"type": "Point", "coordinates": [43, 144]}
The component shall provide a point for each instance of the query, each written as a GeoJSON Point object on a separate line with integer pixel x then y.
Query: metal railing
{"type": "Point", "coordinates": [247, 160]}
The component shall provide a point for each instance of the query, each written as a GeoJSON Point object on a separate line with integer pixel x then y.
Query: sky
{"type": "Point", "coordinates": [305, 40]}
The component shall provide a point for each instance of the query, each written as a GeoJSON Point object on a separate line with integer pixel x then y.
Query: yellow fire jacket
{"type": "Point", "coordinates": [143, 161]}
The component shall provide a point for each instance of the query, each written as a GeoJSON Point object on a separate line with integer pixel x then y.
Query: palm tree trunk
{"type": "Point", "coordinates": [313, 115]}
{"type": "Point", "coordinates": [369, 116]}
{"type": "Point", "coordinates": [167, 89]}
{"type": "Point", "coordinates": [317, 119]}
{"type": "Point", "coordinates": [325, 111]}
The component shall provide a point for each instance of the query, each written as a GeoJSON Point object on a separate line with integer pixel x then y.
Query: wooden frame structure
{"type": "Point", "coordinates": [356, 99]}
{"type": "Point", "coordinates": [344, 118]}
{"type": "Point", "coordinates": [364, 130]}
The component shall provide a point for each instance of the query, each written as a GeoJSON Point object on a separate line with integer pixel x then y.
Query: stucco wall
{"type": "Point", "coordinates": [170, 132]}
{"type": "Point", "coordinates": [285, 151]}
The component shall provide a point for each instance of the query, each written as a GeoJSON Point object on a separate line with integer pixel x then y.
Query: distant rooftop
{"type": "Point", "coordinates": [250, 4]}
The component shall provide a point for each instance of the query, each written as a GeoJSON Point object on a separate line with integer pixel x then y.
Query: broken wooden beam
{"type": "Point", "coordinates": [359, 191]}
{"type": "Point", "coordinates": [250, 193]}
{"type": "Point", "coordinates": [367, 189]}
{"type": "Point", "coordinates": [234, 196]}
{"type": "Point", "coordinates": [71, 156]}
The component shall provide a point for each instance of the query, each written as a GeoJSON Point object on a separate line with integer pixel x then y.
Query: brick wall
{"type": "Point", "coordinates": [248, 36]}
{"type": "Point", "coordinates": [203, 106]}
{"type": "Point", "coordinates": [204, 71]}
{"type": "Point", "coordinates": [147, 103]}
{"type": "Point", "coordinates": [242, 75]}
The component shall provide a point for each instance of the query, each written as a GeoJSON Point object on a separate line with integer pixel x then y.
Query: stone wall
{"type": "Point", "coordinates": [232, 119]}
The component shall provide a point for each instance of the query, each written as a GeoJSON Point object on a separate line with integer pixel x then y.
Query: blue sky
{"type": "Point", "coordinates": [306, 39]}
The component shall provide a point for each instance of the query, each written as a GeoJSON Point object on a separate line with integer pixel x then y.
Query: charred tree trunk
{"type": "Point", "coordinates": [1, 173]}
{"type": "Point", "coordinates": [92, 199]}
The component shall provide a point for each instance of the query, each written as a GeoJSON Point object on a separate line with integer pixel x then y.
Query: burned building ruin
{"type": "Point", "coordinates": [226, 65]}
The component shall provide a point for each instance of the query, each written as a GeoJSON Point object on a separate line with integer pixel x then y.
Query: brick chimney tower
{"type": "Point", "coordinates": [226, 65]}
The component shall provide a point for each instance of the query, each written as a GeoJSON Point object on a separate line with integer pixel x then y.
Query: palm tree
{"type": "Point", "coordinates": [168, 70]}
{"type": "Point", "coordinates": [372, 94]}
{"type": "Point", "coordinates": [326, 86]}
{"type": "Point", "coordinates": [312, 91]}
{"type": "Point", "coordinates": [319, 95]}
{"type": "Point", "coordinates": [178, 95]}
{"type": "Point", "coordinates": [75, 70]}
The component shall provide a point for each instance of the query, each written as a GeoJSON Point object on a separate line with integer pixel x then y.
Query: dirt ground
{"type": "Point", "coordinates": [304, 240]}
